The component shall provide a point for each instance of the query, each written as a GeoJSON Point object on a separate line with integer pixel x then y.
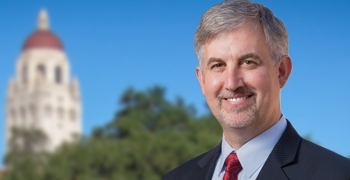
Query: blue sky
{"type": "Point", "coordinates": [112, 45]}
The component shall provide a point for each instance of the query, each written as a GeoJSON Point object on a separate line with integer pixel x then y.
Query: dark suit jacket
{"type": "Point", "coordinates": [292, 158]}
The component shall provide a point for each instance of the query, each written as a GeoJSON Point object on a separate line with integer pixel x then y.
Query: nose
{"type": "Point", "coordinates": [233, 79]}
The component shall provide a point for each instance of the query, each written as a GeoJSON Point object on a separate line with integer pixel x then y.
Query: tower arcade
{"type": "Point", "coordinates": [42, 94]}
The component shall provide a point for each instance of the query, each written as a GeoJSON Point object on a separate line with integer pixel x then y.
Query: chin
{"type": "Point", "coordinates": [238, 120]}
{"type": "Point", "coordinates": [240, 124]}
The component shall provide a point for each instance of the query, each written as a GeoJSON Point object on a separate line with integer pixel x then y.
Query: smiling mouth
{"type": "Point", "coordinates": [237, 99]}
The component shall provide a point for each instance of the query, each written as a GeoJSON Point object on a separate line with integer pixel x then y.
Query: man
{"type": "Point", "coordinates": [243, 64]}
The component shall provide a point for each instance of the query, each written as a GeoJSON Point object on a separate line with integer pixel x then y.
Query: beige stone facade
{"type": "Point", "coordinates": [42, 94]}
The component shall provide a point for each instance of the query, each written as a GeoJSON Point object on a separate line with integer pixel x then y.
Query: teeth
{"type": "Point", "coordinates": [237, 99]}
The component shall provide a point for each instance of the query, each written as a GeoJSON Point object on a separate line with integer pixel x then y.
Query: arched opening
{"type": "Point", "coordinates": [41, 71]}
{"type": "Point", "coordinates": [13, 116]}
{"type": "Point", "coordinates": [23, 117]}
{"type": "Point", "coordinates": [24, 74]}
{"type": "Point", "coordinates": [33, 112]}
{"type": "Point", "coordinates": [48, 111]}
{"type": "Point", "coordinates": [60, 116]}
{"type": "Point", "coordinates": [73, 115]}
{"type": "Point", "coordinates": [58, 75]}
{"type": "Point", "coordinates": [60, 113]}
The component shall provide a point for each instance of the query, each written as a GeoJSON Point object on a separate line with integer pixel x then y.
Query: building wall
{"type": "Point", "coordinates": [40, 97]}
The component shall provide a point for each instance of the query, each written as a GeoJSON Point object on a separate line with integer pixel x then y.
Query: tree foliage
{"type": "Point", "coordinates": [26, 157]}
{"type": "Point", "coordinates": [148, 136]}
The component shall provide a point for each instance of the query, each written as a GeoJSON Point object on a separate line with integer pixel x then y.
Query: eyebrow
{"type": "Point", "coordinates": [249, 55]}
{"type": "Point", "coordinates": [246, 56]}
{"type": "Point", "coordinates": [213, 59]}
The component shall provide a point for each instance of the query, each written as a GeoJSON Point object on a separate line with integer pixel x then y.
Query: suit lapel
{"type": "Point", "coordinates": [208, 162]}
{"type": "Point", "coordinates": [283, 153]}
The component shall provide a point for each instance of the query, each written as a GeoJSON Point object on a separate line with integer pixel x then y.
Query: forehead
{"type": "Point", "coordinates": [249, 29]}
{"type": "Point", "coordinates": [248, 37]}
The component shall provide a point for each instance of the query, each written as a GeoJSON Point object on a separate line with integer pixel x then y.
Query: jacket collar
{"type": "Point", "coordinates": [283, 153]}
{"type": "Point", "coordinates": [208, 162]}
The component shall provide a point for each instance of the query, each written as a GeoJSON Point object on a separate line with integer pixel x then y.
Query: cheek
{"type": "Point", "coordinates": [255, 79]}
{"type": "Point", "coordinates": [260, 81]}
{"type": "Point", "coordinates": [212, 86]}
{"type": "Point", "coordinates": [266, 84]}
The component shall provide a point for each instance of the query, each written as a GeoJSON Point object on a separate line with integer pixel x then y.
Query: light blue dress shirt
{"type": "Point", "coordinates": [253, 154]}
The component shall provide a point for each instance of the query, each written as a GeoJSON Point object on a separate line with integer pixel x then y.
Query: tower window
{"type": "Point", "coordinates": [13, 116]}
{"type": "Point", "coordinates": [60, 113]}
{"type": "Point", "coordinates": [48, 111]}
{"type": "Point", "coordinates": [73, 115]}
{"type": "Point", "coordinates": [23, 117]}
{"type": "Point", "coordinates": [41, 71]}
{"type": "Point", "coordinates": [33, 112]}
{"type": "Point", "coordinates": [24, 74]}
{"type": "Point", "coordinates": [58, 75]}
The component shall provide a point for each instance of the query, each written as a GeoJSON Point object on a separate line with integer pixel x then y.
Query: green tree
{"type": "Point", "coordinates": [156, 135]}
{"type": "Point", "coordinates": [26, 156]}
{"type": "Point", "coordinates": [148, 136]}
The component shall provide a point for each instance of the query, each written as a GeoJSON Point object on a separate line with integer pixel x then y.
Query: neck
{"type": "Point", "coordinates": [237, 137]}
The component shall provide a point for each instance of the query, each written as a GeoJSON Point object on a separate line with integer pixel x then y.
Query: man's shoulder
{"type": "Point", "coordinates": [315, 162]}
{"type": "Point", "coordinates": [307, 152]}
{"type": "Point", "coordinates": [195, 167]}
{"type": "Point", "coordinates": [296, 158]}
{"type": "Point", "coordinates": [322, 155]}
{"type": "Point", "coordinates": [184, 170]}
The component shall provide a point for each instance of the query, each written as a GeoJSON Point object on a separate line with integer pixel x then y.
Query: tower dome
{"type": "Point", "coordinates": [43, 37]}
{"type": "Point", "coordinates": [42, 95]}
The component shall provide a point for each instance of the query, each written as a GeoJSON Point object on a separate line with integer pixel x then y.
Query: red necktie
{"type": "Point", "coordinates": [232, 167]}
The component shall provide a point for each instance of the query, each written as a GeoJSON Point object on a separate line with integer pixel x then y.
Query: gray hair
{"type": "Point", "coordinates": [232, 14]}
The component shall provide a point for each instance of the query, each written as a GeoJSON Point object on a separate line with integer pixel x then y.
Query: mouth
{"type": "Point", "coordinates": [238, 98]}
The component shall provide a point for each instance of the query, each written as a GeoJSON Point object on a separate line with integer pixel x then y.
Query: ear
{"type": "Point", "coordinates": [200, 79]}
{"type": "Point", "coordinates": [285, 68]}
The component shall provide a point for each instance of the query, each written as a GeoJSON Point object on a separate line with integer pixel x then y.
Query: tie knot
{"type": "Point", "coordinates": [232, 166]}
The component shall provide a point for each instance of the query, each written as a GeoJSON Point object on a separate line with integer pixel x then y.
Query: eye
{"type": "Point", "coordinates": [248, 62]}
{"type": "Point", "coordinates": [218, 65]}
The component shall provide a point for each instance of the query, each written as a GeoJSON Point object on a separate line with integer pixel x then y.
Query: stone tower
{"type": "Point", "coordinates": [42, 94]}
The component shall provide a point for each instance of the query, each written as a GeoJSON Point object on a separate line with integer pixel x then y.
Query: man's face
{"type": "Point", "coordinates": [240, 80]}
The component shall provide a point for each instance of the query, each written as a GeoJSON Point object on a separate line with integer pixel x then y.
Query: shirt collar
{"type": "Point", "coordinates": [253, 154]}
